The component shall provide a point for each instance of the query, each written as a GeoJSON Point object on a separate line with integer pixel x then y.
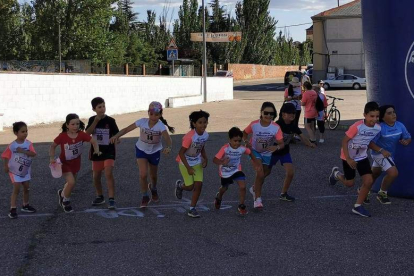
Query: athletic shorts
{"type": "Point", "coordinates": [190, 179]}
{"type": "Point", "coordinates": [382, 162]}
{"type": "Point", "coordinates": [363, 168]}
{"type": "Point", "coordinates": [282, 158]}
{"type": "Point", "coordinates": [225, 182]}
{"type": "Point", "coordinates": [309, 120]}
{"type": "Point", "coordinates": [153, 158]}
{"type": "Point", "coordinates": [101, 165]}
{"type": "Point", "coordinates": [264, 158]}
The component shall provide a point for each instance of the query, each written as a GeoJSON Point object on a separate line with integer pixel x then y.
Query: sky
{"type": "Point", "coordinates": [286, 12]}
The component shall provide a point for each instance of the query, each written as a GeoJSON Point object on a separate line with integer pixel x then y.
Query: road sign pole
{"type": "Point", "coordinates": [204, 54]}
{"type": "Point", "coordinates": [173, 68]}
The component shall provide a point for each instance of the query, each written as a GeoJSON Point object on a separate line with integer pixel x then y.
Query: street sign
{"type": "Point", "coordinates": [172, 44]}
{"type": "Point", "coordinates": [172, 54]}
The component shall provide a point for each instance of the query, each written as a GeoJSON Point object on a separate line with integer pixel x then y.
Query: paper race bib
{"type": "Point", "coordinates": [195, 149]}
{"type": "Point", "coordinates": [150, 137]}
{"type": "Point", "coordinates": [73, 151]}
{"type": "Point", "coordinates": [19, 165]}
{"type": "Point", "coordinates": [261, 144]}
{"type": "Point", "coordinates": [101, 135]}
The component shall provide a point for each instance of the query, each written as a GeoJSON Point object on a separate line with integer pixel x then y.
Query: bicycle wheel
{"type": "Point", "coordinates": [333, 119]}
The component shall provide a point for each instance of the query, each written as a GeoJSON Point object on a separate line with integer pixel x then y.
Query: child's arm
{"type": "Point", "coordinates": [246, 139]}
{"type": "Point", "coordinates": [184, 160]}
{"type": "Point", "coordinates": [27, 152]}
{"type": "Point", "coordinates": [92, 127]}
{"type": "Point", "coordinates": [204, 155]}
{"type": "Point", "coordinates": [351, 162]}
{"type": "Point", "coordinates": [280, 145]}
{"type": "Point", "coordinates": [6, 165]}
{"type": "Point", "coordinates": [405, 142]}
{"type": "Point", "coordinates": [52, 152]}
{"type": "Point", "coordinates": [256, 163]}
{"type": "Point", "coordinates": [168, 140]}
{"type": "Point", "coordinates": [376, 148]}
{"type": "Point", "coordinates": [122, 132]}
{"type": "Point", "coordinates": [95, 146]}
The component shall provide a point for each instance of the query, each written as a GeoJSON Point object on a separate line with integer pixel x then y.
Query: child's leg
{"type": "Point", "coordinates": [153, 170]}
{"type": "Point", "coordinates": [143, 175]}
{"type": "Point", "coordinates": [15, 193]}
{"type": "Point", "coordinates": [348, 177]}
{"type": "Point", "coordinates": [221, 192]}
{"type": "Point", "coordinates": [290, 171]}
{"type": "Point", "coordinates": [321, 127]}
{"type": "Point", "coordinates": [110, 181]}
{"type": "Point", "coordinates": [25, 192]}
{"type": "Point", "coordinates": [376, 172]}
{"type": "Point", "coordinates": [69, 185]}
{"type": "Point", "coordinates": [97, 182]}
{"type": "Point", "coordinates": [258, 182]}
{"type": "Point", "coordinates": [196, 193]}
{"type": "Point", "coordinates": [242, 190]}
{"type": "Point", "coordinates": [392, 174]}
{"type": "Point", "coordinates": [365, 188]}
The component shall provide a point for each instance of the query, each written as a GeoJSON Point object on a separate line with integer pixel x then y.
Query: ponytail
{"type": "Point", "coordinates": [170, 128]}
{"type": "Point", "coordinates": [290, 91]}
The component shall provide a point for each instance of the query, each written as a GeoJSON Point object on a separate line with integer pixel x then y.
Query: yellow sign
{"type": "Point", "coordinates": [217, 37]}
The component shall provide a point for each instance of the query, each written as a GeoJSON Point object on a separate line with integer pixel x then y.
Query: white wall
{"type": "Point", "coordinates": [46, 98]}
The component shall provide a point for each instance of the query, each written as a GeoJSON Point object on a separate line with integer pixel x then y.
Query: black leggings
{"type": "Point", "coordinates": [321, 126]}
{"type": "Point", "coordinates": [296, 121]}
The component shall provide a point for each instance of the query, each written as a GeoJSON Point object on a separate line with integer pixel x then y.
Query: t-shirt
{"type": "Point", "coordinates": [150, 138]}
{"type": "Point", "coordinates": [104, 130]}
{"type": "Point", "coordinates": [389, 137]}
{"type": "Point", "coordinates": [309, 99]}
{"type": "Point", "coordinates": [361, 135]}
{"type": "Point", "coordinates": [194, 144]}
{"type": "Point", "coordinates": [321, 114]}
{"type": "Point", "coordinates": [71, 150]}
{"type": "Point", "coordinates": [234, 155]}
{"type": "Point", "coordinates": [297, 91]}
{"type": "Point", "coordinates": [19, 163]}
{"type": "Point", "coordinates": [289, 131]}
{"type": "Point", "coordinates": [263, 137]}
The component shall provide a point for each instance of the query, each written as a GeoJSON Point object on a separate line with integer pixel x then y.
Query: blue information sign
{"type": "Point", "coordinates": [172, 54]}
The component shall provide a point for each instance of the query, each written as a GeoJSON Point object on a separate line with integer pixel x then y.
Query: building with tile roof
{"type": "Point", "coordinates": [337, 41]}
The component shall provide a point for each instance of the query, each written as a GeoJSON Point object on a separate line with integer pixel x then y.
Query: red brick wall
{"type": "Point", "coordinates": [253, 71]}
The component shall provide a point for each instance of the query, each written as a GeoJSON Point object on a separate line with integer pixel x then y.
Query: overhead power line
{"type": "Point", "coordinates": [294, 25]}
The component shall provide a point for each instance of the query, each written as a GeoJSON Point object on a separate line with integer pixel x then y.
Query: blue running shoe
{"type": "Point", "coordinates": [360, 210]}
{"type": "Point", "coordinates": [332, 178]}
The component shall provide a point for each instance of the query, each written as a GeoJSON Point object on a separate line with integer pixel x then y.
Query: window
{"type": "Point", "coordinates": [340, 78]}
{"type": "Point", "coordinates": [349, 77]}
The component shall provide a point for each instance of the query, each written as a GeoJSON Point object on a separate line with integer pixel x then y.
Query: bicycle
{"type": "Point", "coordinates": [333, 116]}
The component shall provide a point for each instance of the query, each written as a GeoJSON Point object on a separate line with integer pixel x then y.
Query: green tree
{"type": "Point", "coordinates": [10, 31]}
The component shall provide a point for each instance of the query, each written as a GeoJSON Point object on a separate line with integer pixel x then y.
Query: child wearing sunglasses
{"type": "Point", "coordinates": [148, 149]}
{"type": "Point", "coordinates": [263, 134]}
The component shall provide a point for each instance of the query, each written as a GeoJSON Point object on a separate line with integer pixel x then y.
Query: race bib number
{"type": "Point", "coordinates": [73, 151]}
{"type": "Point", "coordinates": [19, 165]}
{"type": "Point", "coordinates": [150, 137]}
{"type": "Point", "coordinates": [195, 149]}
{"type": "Point", "coordinates": [101, 135]}
{"type": "Point", "coordinates": [261, 144]}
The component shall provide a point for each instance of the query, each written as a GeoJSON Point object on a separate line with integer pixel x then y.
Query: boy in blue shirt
{"type": "Point", "coordinates": [385, 144]}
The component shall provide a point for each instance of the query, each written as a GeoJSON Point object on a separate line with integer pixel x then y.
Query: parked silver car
{"type": "Point", "coordinates": [346, 81]}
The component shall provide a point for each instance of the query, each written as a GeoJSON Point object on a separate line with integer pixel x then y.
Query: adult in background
{"type": "Point", "coordinates": [293, 95]}
{"type": "Point", "coordinates": [309, 101]}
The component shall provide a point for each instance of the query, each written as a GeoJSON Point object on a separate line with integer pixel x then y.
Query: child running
{"type": "Point", "coordinates": [148, 149]}
{"type": "Point", "coordinates": [192, 158]}
{"type": "Point", "coordinates": [320, 119]}
{"type": "Point", "coordinates": [383, 149]}
{"type": "Point", "coordinates": [71, 143]}
{"type": "Point", "coordinates": [102, 128]}
{"type": "Point", "coordinates": [289, 129]}
{"type": "Point", "coordinates": [17, 163]}
{"type": "Point", "coordinates": [354, 156]}
{"type": "Point", "coordinates": [264, 133]}
{"type": "Point", "coordinates": [228, 159]}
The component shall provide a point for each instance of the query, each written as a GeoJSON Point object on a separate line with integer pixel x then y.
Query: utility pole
{"type": "Point", "coordinates": [338, 3]}
{"type": "Point", "coordinates": [204, 54]}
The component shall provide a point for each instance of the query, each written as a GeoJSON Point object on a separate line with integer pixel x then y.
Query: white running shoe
{"type": "Point", "coordinates": [321, 141]}
{"type": "Point", "coordinates": [258, 203]}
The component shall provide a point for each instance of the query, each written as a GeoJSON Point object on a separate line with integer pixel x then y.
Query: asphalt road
{"type": "Point", "coordinates": [315, 235]}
